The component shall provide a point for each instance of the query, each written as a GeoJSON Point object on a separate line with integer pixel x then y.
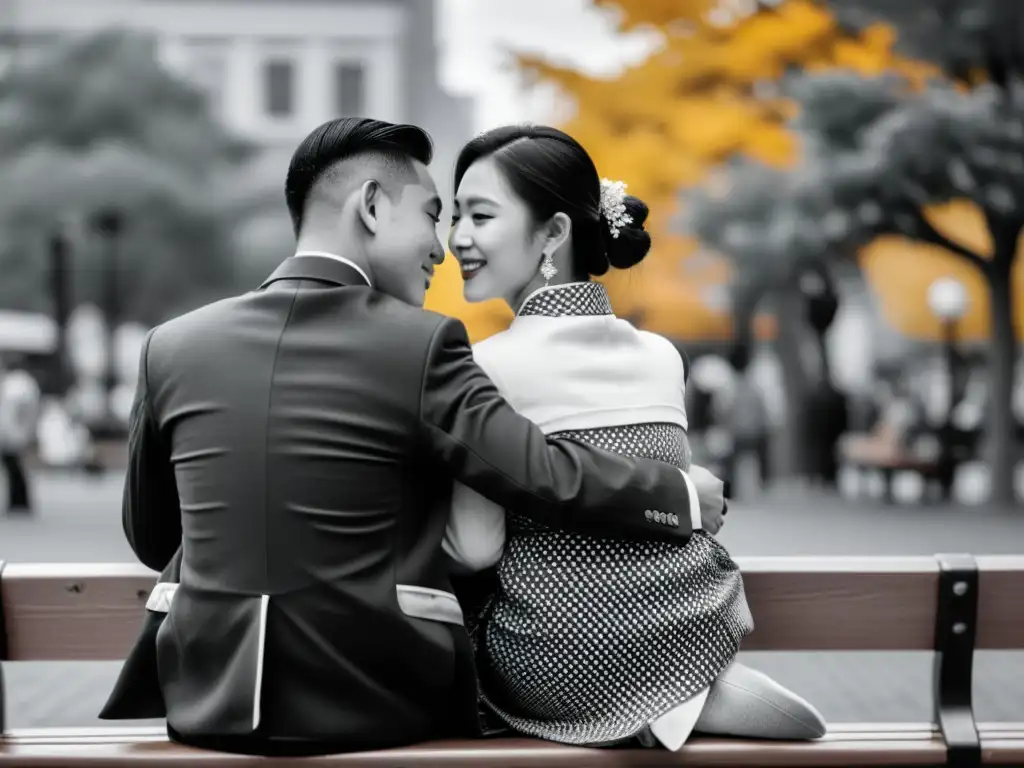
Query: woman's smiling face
{"type": "Point", "coordinates": [493, 236]}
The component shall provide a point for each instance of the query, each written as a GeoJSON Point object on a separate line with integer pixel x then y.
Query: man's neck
{"type": "Point", "coordinates": [321, 247]}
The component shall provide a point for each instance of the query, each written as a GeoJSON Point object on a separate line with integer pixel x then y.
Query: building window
{"type": "Point", "coordinates": [279, 87]}
{"type": "Point", "coordinates": [206, 66]}
{"type": "Point", "coordinates": [349, 89]}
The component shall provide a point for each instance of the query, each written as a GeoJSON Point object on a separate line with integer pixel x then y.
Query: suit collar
{"type": "Point", "coordinates": [323, 267]}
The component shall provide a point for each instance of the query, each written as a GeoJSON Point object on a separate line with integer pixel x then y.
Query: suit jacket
{"type": "Point", "coordinates": [299, 443]}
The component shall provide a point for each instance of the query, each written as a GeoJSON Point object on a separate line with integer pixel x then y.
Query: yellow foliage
{"type": "Point", "coordinates": [668, 122]}
{"type": "Point", "coordinates": [963, 222]}
{"type": "Point", "coordinates": [678, 298]}
{"type": "Point", "coordinates": [681, 15]}
{"type": "Point", "coordinates": [698, 100]}
{"type": "Point", "coordinates": [762, 45]}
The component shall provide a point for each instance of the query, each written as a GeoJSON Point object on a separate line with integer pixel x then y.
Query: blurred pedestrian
{"type": "Point", "coordinates": [19, 415]}
{"type": "Point", "coordinates": [746, 417]}
{"type": "Point", "coordinates": [827, 422]}
{"type": "Point", "coordinates": [710, 384]}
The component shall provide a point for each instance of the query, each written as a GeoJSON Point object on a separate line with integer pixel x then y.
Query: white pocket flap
{"type": "Point", "coordinates": [161, 596]}
{"type": "Point", "coordinates": [427, 603]}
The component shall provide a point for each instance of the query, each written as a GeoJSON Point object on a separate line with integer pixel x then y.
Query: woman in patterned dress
{"type": "Point", "coordinates": [589, 640]}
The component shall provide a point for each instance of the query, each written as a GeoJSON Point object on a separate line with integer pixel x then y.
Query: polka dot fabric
{"type": "Point", "coordinates": [662, 442]}
{"type": "Point", "coordinates": [590, 639]}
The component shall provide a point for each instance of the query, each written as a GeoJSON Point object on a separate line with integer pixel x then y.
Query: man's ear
{"type": "Point", "coordinates": [370, 194]}
{"type": "Point", "coordinates": [556, 232]}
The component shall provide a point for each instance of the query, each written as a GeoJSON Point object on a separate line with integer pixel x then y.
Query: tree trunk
{"type": "Point", "coordinates": [821, 345]}
{"type": "Point", "coordinates": [790, 456]}
{"type": "Point", "coordinates": [1001, 426]}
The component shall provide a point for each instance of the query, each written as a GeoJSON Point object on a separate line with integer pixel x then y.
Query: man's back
{"type": "Point", "coordinates": [277, 401]}
{"type": "Point", "coordinates": [310, 522]}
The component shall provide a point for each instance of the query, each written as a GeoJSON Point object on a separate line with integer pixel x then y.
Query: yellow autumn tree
{"type": "Point", "coordinates": [707, 95]}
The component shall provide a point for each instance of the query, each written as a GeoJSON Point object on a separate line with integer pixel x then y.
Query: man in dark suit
{"type": "Point", "coordinates": [299, 443]}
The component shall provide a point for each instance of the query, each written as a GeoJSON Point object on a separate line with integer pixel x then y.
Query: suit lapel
{"type": "Point", "coordinates": [320, 268]}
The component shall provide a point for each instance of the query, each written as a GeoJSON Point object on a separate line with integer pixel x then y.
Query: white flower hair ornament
{"type": "Point", "coordinates": [613, 205]}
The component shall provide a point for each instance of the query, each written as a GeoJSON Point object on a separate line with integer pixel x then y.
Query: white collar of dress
{"type": "Point", "coordinates": [567, 300]}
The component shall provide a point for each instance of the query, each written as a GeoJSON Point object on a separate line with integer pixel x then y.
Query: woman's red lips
{"type": "Point", "coordinates": [471, 268]}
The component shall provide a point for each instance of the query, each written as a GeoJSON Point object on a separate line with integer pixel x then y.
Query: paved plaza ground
{"type": "Point", "coordinates": [78, 520]}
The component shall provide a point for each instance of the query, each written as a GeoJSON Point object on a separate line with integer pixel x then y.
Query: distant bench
{"type": "Point", "coordinates": [952, 604]}
{"type": "Point", "coordinates": [885, 450]}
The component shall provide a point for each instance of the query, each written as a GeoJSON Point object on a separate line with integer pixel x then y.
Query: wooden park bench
{"type": "Point", "coordinates": [885, 450]}
{"type": "Point", "coordinates": [953, 605]}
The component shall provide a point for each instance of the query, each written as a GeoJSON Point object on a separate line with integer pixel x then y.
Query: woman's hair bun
{"type": "Point", "coordinates": [634, 242]}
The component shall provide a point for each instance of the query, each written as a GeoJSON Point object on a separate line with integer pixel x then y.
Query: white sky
{"type": "Point", "coordinates": [473, 36]}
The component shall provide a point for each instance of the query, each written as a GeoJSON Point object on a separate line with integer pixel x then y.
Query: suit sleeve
{"type": "Point", "coordinates": [701, 479]}
{"type": "Point", "coordinates": [562, 484]}
{"type": "Point", "coordinates": [150, 511]}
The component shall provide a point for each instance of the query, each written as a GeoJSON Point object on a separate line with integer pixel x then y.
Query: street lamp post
{"type": "Point", "coordinates": [109, 224]}
{"type": "Point", "coordinates": [947, 299]}
{"type": "Point", "coordinates": [61, 295]}
{"type": "Point", "coordinates": [817, 287]}
{"type": "Point", "coordinates": [828, 416]}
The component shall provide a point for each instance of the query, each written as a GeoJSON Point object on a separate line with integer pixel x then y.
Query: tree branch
{"type": "Point", "coordinates": [929, 234]}
{"type": "Point", "coordinates": [1005, 232]}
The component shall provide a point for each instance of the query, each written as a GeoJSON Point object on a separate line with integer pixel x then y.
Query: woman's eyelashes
{"type": "Point", "coordinates": [477, 218]}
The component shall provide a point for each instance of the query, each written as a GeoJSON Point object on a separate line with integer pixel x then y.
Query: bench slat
{"type": "Point", "coordinates": [1000, 597]}
{"type": "Point", "coordinates": [859, 744]}
{"type": "Point", "coordinates": [841, 604]}
{"type": "Point", "coordinates": [73, 612]}
{"type": "Point", "coordinates": [847, 744]}
{"type": "Point", "coordinates": [132, 734]}
{"type": "Point", "coordinates": [93, 611]}
{"type": "Point", "coordinates": [862, 745]}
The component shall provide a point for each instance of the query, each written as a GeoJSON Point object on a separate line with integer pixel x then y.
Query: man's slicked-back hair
{"type": "Point", "coordinates": [345, 138]}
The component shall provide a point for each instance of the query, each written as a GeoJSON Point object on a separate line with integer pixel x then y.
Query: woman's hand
{"type": "Point", "coordinates": [711, 495]}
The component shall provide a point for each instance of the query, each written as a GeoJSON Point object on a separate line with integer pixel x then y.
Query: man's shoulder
{"type": "Point", "coordinates": [388, 325]}
{"type": "Point", "coordinates": [405, 324]}
{"type": "Point", "coordinates": [390, 309]}
{"type": "Point", "coordinates": [206, 316]}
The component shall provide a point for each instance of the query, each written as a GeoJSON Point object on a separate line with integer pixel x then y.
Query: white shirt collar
{"type": "Point", "coordinates": [336, 257]}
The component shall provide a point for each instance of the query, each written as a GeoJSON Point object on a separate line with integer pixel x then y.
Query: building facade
{"type": "Point", "coordinates": [274, 69]}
